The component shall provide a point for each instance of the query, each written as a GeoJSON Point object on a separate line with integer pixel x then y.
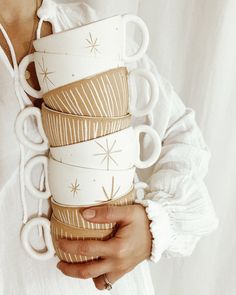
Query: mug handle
{"type": "Point", "coordinates": [22, 69]}
{"type": "Point", "coordinates": [140, 189]}
{"type": "Point", "coordinates": [150, 78]}
{"type": "Point", "coordinates": [20, 132]}
{"type": "Point", "coordinates": [129, 18]}
{"type": "Point", "coordinates": [156, 148]}
{"type": "Point", "coordinates": [25, 239]}
{"type": "Point", "coordinates": [32, 163]}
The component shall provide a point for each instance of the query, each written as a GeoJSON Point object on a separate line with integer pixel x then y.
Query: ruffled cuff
{"type": "Point", "coordinates": [160, 228]}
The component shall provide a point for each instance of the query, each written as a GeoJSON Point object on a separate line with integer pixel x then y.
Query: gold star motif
{"type": "Point", "coordinates": [112, 194]}
{"type": "Point", "coordinates": [108, 152]}
{"type": "Point", "coordinates": [93, 44]}
{"type": "Point", "coordinates": [74, 187]}
{"type": "Point", "coordinates": [45, 73]}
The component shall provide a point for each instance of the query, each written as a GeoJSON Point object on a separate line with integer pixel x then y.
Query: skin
{"type": "Point", "coordinates": [120, 254]}
{"type": "Point", "coordinates": [132, 241]}
{"type": "Point", "coordinates": [19, 22]}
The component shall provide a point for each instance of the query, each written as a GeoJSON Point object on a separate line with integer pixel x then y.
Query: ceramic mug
{"type": "Point", "coordinates": [71, 214]}
{"type": "Point", "coordinates": [101, 39]}
{"type": "Point", "coordinates": [103, 95]}
{"type": "Point", "coordinates": [49, 240]}
{"type": "Point", "coordinates": [55, 70]}
{"type": "Point", "coordinates": [71, 185]}
{"type": "Point", "coordinates": [53, 231]}
{"type": "Point", "coordinates": [64, 129]}
{"type": "Point", "coordinates": [75, 128]}
{"type": "Point", "coordinates": [116, 151]}
{"type": "Point", "coordinates": [59, 230]}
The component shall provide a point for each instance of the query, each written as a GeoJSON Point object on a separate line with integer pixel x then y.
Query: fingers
{"type": "Point", "coordinates": [112, 278]}
{"type": "Point", "coordinates": [88, 247]}
{"type": "Point", "coordinates": [85, 270]}
{"type": "Point", "coordinates": [109, 214]}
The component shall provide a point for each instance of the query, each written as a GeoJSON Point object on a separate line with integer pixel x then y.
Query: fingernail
{"type": "Point", "coordinates": [89, 213]}
{"type": "Point", "coordinates": [58, 265]}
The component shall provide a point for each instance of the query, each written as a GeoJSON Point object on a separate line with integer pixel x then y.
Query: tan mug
{"type": "Point", "coordinates": [104, 95]}
{"type": "Point", "coordinates": [59, 129]}
{"type": "Point", "coordinates": [71, 215]}
{"type": "Point", "coordinates": [53, 231]}
{"type": "Point", "coordinates": [45, 223]}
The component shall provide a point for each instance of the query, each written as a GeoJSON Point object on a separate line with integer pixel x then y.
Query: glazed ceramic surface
{"type": "Point", "coordinates": [106, 38]}
{"type": "Point", "coordinates": [116, 151]}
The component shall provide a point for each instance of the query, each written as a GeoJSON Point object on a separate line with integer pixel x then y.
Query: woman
{"type": "Point", "coordinates": [176, 211]}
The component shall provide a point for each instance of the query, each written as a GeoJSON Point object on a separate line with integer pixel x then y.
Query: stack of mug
{"type": "Point", "coordinates": [86, 120]}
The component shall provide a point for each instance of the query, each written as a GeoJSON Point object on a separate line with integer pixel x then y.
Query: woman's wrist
{"type": "Point", "coordinates": [160, 227]}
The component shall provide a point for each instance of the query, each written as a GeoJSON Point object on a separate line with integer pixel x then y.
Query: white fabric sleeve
{"type": "Point", "coordinates": [177, 201]}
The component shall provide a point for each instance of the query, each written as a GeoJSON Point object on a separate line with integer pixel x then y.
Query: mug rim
{"type": "Point", "coordinates": [90, 169]}
{"type": "Point", "coordinates": [84, 117]}
{"type": "Point", "coordinates": [93, 139]}
{"type": "Point", "coordinates": [58, 55]}
{"type": "Point", "coordinates": [132, 191]}
{"type": "Point", "coordinates": [77, 28]}
{"type": "Point", "coordinates": [120, 68]}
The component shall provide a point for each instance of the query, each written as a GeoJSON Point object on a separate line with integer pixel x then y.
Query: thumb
{"type": "Point", "coordinates": [109, 214]}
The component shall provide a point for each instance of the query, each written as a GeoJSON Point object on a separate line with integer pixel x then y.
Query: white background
{"type": "Point", "coordinates": [193, 42]}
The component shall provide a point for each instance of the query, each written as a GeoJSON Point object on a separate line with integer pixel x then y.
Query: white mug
{"type": "Point", "coordinates": [101, 39]}
{"type": "Point", "coordinates": [116, 151]}
{"type": "Point", "coordinates": [71, 185]}
{"type": "Point", "coordinates": [55, 70]}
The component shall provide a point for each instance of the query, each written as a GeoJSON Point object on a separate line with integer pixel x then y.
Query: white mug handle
{"type": "Point", "coordinates": [31, 164]}
{"type": "Point", "coordinates": [145, 37]}
{"type": "Point", "coordinates": [156, 146]}
{"type": "Point", "coordinates": [140, 189]}
{"type": "Point", "coordinates": [20, 130]}
{"type": "Point", "coordinates": [22, 69]}
{"type": "Point", "coordinates": [150, 78]}
{"type": "Point", "coordinates": [25, 239]}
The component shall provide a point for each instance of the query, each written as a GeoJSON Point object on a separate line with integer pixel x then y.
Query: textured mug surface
{"type": "Point", "coordinates": [65, 129]}
{"type": "Point", "coordinates": [62, 231]}
{"type": "Point", "coordinates": [105, 94]}
{"type": "Point", "coordinates": [101, 39]}
{"type": "Point", "coordinates": [116, 151]}
{"type": "Point", "coordinates": [72, 215]}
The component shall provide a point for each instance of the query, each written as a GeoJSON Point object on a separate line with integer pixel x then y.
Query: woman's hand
{"type": "Point", "coordinates": [131, 244]}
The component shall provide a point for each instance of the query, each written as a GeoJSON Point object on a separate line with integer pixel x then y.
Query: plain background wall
{"type": "Point", "coordinates": [193, 43]}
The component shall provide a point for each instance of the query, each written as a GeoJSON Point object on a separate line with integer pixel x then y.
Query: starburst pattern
{"type": "Point", "coordinates": [74, 187]}
{"type": "Point", "coordinates": [93, 44]}
{"type": "Point", "coordinates": [110, 196]}
{"type": "Point", "coordinates": [108, 153]}
{"type": "Point", "coordinates": [45, 73]}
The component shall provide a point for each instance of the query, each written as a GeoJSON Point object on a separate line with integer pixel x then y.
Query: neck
{"type": "Point", "coordinates": [14, 11]}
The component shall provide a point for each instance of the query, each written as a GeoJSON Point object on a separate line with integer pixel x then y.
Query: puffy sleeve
{"type": "Point", "coordinates": [64, 16]}
{"type": "Point", "coordinates": [177, 200]}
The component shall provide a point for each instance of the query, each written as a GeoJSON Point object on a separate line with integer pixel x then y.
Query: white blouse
{"type": "Point", "coordinates": [176, 201]}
